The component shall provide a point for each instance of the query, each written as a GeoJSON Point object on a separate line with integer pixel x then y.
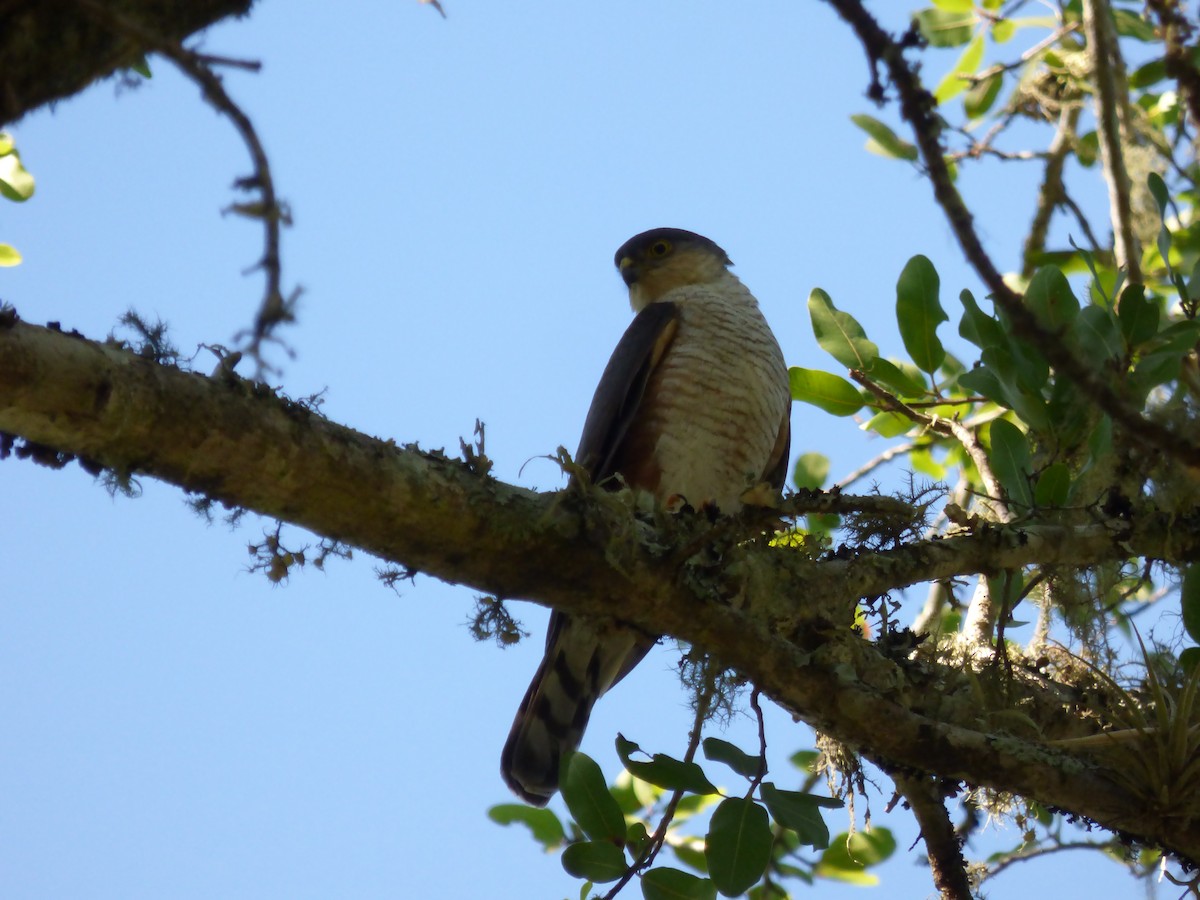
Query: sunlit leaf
{"type": "Point", "coordinates": [16, 183]}
{"type": "Point", "coordinates": [546, 828]}
{"type": "Point", "coordinates": [831, 393]}
{"type": "Point", "coordinates": [738, 845]}
{"type": "Point", "coordinates": [597, 861]}
{"type": "Point", "coordinates": [665, 883]}
{"type": "Point", "coordinates": [849, 855]}
{"type": "Point", "coordinates": [586, 794]}
{"type": "Point", "coordinates": [954, 82]}
{"type": "Point", "coordinates": [919, 312]}
{"type": "Point", "coordinates": [1003, 30]}
{"type": "Point", "coordinates": [839, 334]}
{"type": "Point", "coordinates": [944, 28]}
{"type": "Point", "coordinates": [903, 378]}
{"type": "Point", "coordinates": [883, 140]}
{"type": "Point", "coordinates": [888, 424]}
{"type": "Point", "coordinates": [981, 96]}
{"type": "Point", "coordinates": [9, 255]}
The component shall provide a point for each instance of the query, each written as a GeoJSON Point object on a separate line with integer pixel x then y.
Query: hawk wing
{"type": "Point", "coordinates": [622, 386]}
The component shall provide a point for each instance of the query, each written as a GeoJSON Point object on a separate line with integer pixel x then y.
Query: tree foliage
{"type": "Point", "coordinates": [1061, 461]}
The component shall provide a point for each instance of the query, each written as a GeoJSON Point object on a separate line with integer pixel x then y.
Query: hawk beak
{"type": "Point", "coordinates": [629, 270]}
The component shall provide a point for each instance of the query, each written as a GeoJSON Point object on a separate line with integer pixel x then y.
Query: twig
{"type": "Point", "coordinates": [1108, 72]}
{"type": "Point", "coordinates": [950, 428]}
{"type": "Point", "coordinates": [1177, 32]}
{"type": "Point", "coordinates": [275, 308]}
{"type": "Point", "coordinates": [703, 706]}
{"type": "Point", "coordinates": [872, 464]}
{"type": "Point", "coordinates": [1052, 192]}
{"type": "Point", "coordinates": [1048, 41]}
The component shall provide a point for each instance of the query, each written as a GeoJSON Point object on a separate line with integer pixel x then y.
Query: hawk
{"type": "Point", "coordinates": [694, 406]}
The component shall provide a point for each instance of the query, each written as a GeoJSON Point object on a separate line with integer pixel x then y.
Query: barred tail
{"type": "Point", "coordinates": [583, 659]}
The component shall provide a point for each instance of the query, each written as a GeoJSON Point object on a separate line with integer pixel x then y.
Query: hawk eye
{"type": "Point", "coordinates": [660, 248]}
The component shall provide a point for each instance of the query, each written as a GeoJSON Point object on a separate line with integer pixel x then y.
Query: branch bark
{"type": "Point", "coordinates": [780, 618]}
{"type": "Point", "coordinates": [50, 49]}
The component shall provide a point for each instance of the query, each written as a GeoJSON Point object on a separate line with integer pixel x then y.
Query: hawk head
{"type": "Point", "coordinates": [662, 259]}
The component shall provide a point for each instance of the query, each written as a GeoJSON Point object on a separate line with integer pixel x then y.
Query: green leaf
{"type": "Point", "coordinates": [805, 760]}
{"type": "Point", "coordinates": [546, 828]}
{"type": "Point", "coordinates": [903, 378]}
{"type": "Point", "coordinates": [1050, 298]}
{"type": "Point", "coordinates": [799, 812]}
{"type": "Point", "coordinates": [829, 392]}
{"type": "Point", "coordinates": [957, 6]}
{"type": "Point", "coordinates": [977, 326]}
{"type": "Point", "coordinates": [1137, 316]}
{"type": "Point", "coordinates": [1053, 486]}
{"type": "Point", "coordinates": [811, 471]}
{"type": "Point", "coordinates": [1087, 149]}
{"type": "Point", "coordinates": [16, 183]}
{"type": "Point", "coordinates": [1151, 73]}
{"type": "Point", "coordinates": [9, 255]}
{"type": "Point", "coordinates": [1011, 462]}
{"type": "Point", "coordinates": [597, 861]}
{"type": "Point", "coordinates": [588, 799]}
{"type": "Point", "coordinates": [1189, 596]}
{"type": "Point", "coordinates": [664, 771]}
{"type": "Point", "coordinates": [943, 28]}
{"type": "Point", "coordinates": [1134, 26]}
{"type": "Point", "coordinates": [888, 424]}
{"type": "Point", "coordinates": [675, 884]}
{"type": "Point", "coordinates": [919, 312]}
{"type": "Point", "coordinates": [954, 82]}
{"type": "Point", "coordinates": [142, 67]}
{"type": "Point", "coordinates": [883, 140]}
{"type": "Point", "coordinates": [1003, 30]}
{"type": "Point", "coordinates": [982, 96]}
{"type": "Point", "coordinates": [848, 856]}
{"type": "Point", "coordinates": [839, 333]}
{"type": "Point", "coordinates": [1189, 659]}
{"type": "Point", "coordinates": [738, 845]}
{"type": "Point", "coordinates": [735, 757]}
{"type": "Point", "coordinates": [1096, 335]}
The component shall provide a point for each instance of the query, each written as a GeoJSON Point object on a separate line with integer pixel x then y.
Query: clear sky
{"type": "Point", "coordinates": [177, 727]}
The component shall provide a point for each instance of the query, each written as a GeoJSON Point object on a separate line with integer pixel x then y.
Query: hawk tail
{"type": "Point", "coordinates": [580, 664]}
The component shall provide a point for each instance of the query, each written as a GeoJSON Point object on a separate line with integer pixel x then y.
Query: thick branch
{"type": "Point", "coordinates": [781, 619]}
{"type": "Point", "coordinates": [51, 49]}
{"type": "Point", "coordinates": [942, 845]}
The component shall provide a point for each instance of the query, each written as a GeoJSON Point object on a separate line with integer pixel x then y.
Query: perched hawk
{"type": "Point", "coordinates": [693, 406]}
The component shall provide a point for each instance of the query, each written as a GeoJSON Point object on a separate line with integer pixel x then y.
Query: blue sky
{"type": "Point", "coordinates": [177, 727]}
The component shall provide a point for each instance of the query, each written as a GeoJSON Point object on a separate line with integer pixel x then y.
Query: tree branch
{"type": "Point", "coordinates": [779, 618]}
{"type": "Point", "coordinates": [50, 50]}
{"type": "Point", "coordinates": [942, 845]}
